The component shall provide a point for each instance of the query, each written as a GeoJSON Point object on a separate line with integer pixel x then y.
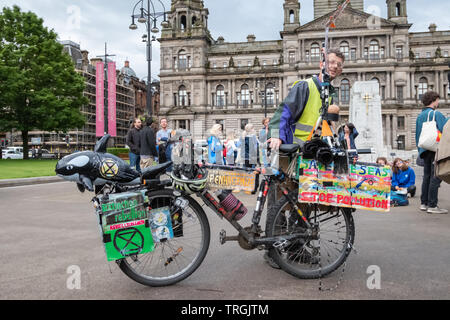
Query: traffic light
{"type": "Point", "coordinates": [67, 139]}
{"type": "Point", "coordinates": [3, 143]}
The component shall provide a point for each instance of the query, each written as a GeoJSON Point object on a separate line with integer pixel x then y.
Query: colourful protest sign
{"type": "Point", "coordinates": [365, 186]}
{"type": "Point", "coordinates": [125, 225]}
{"type": "Point", "coordinates": [231, 180]}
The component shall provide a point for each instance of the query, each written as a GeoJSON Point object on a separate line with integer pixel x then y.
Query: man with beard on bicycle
{"type": "Point", "coordinates": [297, 115]}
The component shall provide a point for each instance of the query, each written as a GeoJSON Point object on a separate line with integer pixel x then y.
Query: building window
{"type": "Point", "coordinates": [291, 16]}
{"type": "Point", "coordinates": [244, 122]}
{"type": "Point", "coordinates": [401, 123]}
{"type": "Point", "coordinates": [399, 93]}
{"type": "Point", "coordinates": [445, 54]}
{"type": "Point", "coordinates": [239, 64]}
{"type": "Point", "coordinates": [315, 52]}
{"type": "Point", "coordinates": [182, 124]}
{"type": "Point", "coordinates": [401, 142]}
{"type": "Point", "coordinates": [270, 91]}
{"type": "Point", "coordinates": [399, 52]}
{"type": "Point", "coordinates": [307, 56]}
{"type": "Point", "coordinates": [374, 50]}
{"type": "Point", "coordinates": [378, 81]}
{"type": "Point", "coordinates": [336, 96]}
{"type": "Point", "coordinates": [423, 87]}
{"type": "Point", "coordinates": [382, 53]}
{"type": "Point", "coordinates": [275, 62]}
{"type": "Point", "coordinates": [344, 48]}
{"type": "Point", "coordinates": [182, 96]}
{"type": "Point", "coordinates": [428, 54]}
{"type": "Point", "coordinates": [221, 122]}
{"type": "Point", "coordinates": [225, 65]}
{"type": "Point", "coordinates": [249, 64]}
{"type": "Point", "coordinates": [397, 9]}
{"type": "Point", "coordinates": [345, 91]}
{"type": "Point", "coordinates": [183, 23]}
{"type": "Point", "coordinates": [214, 65]}
{"type": "Point", "coordinates": [220, 96]}
{"type": "Point", "coordinates": [291, 56]}
{"type": "Point", "coordinates": [417, 55]}
{"type": "Point", "coordinates": [182, 60]}
{"type": "Point", "coordinates": [366, 53]}
{"type": "Point", "coordinates": [383, 92]}
{"type": "Point", "coordinates": [245, 95]}
{"type": "Point", "coordinates": [353, 54]}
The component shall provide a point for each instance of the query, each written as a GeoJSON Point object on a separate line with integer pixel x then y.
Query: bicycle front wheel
{"type": "Point", "coordinates": [317, 255]}
{"type": "Point", "coordinates": [175, 259]}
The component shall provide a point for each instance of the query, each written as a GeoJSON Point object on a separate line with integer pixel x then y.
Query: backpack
{"type": "Point", "coordinates": [442, 166]}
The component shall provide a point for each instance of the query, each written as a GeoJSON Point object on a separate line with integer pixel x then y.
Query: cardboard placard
{"type": "Point", "coordinates": [125, 225]}
{"type": "Point", "coordinates": [231, 180]}
{"type": "Point", "coordinates": [366, 186]}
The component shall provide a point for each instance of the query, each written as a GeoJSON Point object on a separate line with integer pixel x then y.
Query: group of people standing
{"type": "Point", "coordinates": [147, 143]}
{"type": "Point", "coordinates": [403, 176]}
{"type": "Point", "coordinates": [247, 150]}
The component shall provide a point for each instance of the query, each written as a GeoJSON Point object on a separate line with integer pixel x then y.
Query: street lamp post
{"type": "Point", "coordinates": [148, 16]}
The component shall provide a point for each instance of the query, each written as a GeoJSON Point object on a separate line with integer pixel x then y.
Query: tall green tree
{"type": "Point", "coordinates": [39, 87]}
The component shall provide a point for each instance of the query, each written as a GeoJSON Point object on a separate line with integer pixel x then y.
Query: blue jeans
{"type": "Point", "coordinates": [134, 161]}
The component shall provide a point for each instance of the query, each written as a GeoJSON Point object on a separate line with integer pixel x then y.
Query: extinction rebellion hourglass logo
{"type": "Point", "coordinates": [109, 168]}
{"type": "Point", "coordinates": [129, 241]}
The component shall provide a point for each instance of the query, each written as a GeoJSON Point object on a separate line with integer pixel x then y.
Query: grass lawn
{"type": "Point", "coordinates": [11, 169]}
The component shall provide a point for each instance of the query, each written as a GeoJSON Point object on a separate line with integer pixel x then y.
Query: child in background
{"type": "Point", "coordinates": [403, 178]}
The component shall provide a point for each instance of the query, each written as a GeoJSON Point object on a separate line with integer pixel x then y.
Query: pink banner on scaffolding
{"type": "Point", "coordinates": [112, 99]}
{"type": "Point", "coordinates": [100, 100]}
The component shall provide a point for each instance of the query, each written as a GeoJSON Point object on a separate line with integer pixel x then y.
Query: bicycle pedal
{"type": "Point", "coordinates": [222, 236]}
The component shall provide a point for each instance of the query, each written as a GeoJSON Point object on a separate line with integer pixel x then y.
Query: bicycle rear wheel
{"type": "Point", "coordinates": [313, 256]}
{"type": "Point", "coordinates": [175, 259]}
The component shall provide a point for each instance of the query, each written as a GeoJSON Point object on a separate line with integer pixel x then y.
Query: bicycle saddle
{"type": "Point", "coordinates": [154, 171]}
{"type": "Point", "coordinates": [289, 148]}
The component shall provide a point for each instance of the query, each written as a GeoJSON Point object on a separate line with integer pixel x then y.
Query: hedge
{"type": "Point", "coordinates": [117, 151]}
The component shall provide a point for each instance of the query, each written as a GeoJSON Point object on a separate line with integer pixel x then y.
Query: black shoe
{"type": "Point", "coordinates": [270, 261]}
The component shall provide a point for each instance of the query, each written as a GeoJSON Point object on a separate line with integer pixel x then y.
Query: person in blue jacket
{"type": "Point", "coordinates": [215, 146]}
{"type": "Point", "coordinates": [403, 177]}
{"type": "Point", "coordinates": [430, 183]}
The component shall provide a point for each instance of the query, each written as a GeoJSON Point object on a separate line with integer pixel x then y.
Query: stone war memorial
{"type": "Point", "coordinates": [365, 114]}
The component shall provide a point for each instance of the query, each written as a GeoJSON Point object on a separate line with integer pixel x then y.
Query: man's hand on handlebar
{"type": "Point", "coordinates": [274, 143]}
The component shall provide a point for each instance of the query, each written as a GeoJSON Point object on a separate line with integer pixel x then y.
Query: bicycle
{"type": "Point", "coordinates": [306, 240]}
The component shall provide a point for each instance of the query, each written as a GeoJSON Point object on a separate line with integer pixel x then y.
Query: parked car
{"type": "Point", "coordinates": [45, 154]}
{"type": "Point", "coordinates": [20, 149]}
{"type": "Point", "coordinates": [11, 154]}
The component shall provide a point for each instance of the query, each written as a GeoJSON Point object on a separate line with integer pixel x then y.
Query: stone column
{"type": "Point", "coordinates": [388, 130]}
{"type": "Point", "coordinates": [393, 93]}
{"type": "Point", "coordinates": [437, 86]}
{"type": "Point", "coordinates": [358, 48]}
{"type": "Point", "coordinates": [409, 133]}
{"type": "Point", "coordinates": [388, 86]}
{"type": "Point", "coordinates": [208, 94]}
{"type": "Point", "coordinates": [394, 131]}
{"type": "Point", "coordinates": [388, 46]}
{"type": "Point", "coordinates": [412, 94]}
{"type": "Point", "coordinates": [281, 89]}
{"type": "Point", "coordinates": [442, 84]}
{"type": "Point", "coordinates": [362, 47]}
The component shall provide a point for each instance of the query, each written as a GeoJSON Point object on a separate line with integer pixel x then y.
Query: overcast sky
{"type": "Point", "coordinates": [92, 23]}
